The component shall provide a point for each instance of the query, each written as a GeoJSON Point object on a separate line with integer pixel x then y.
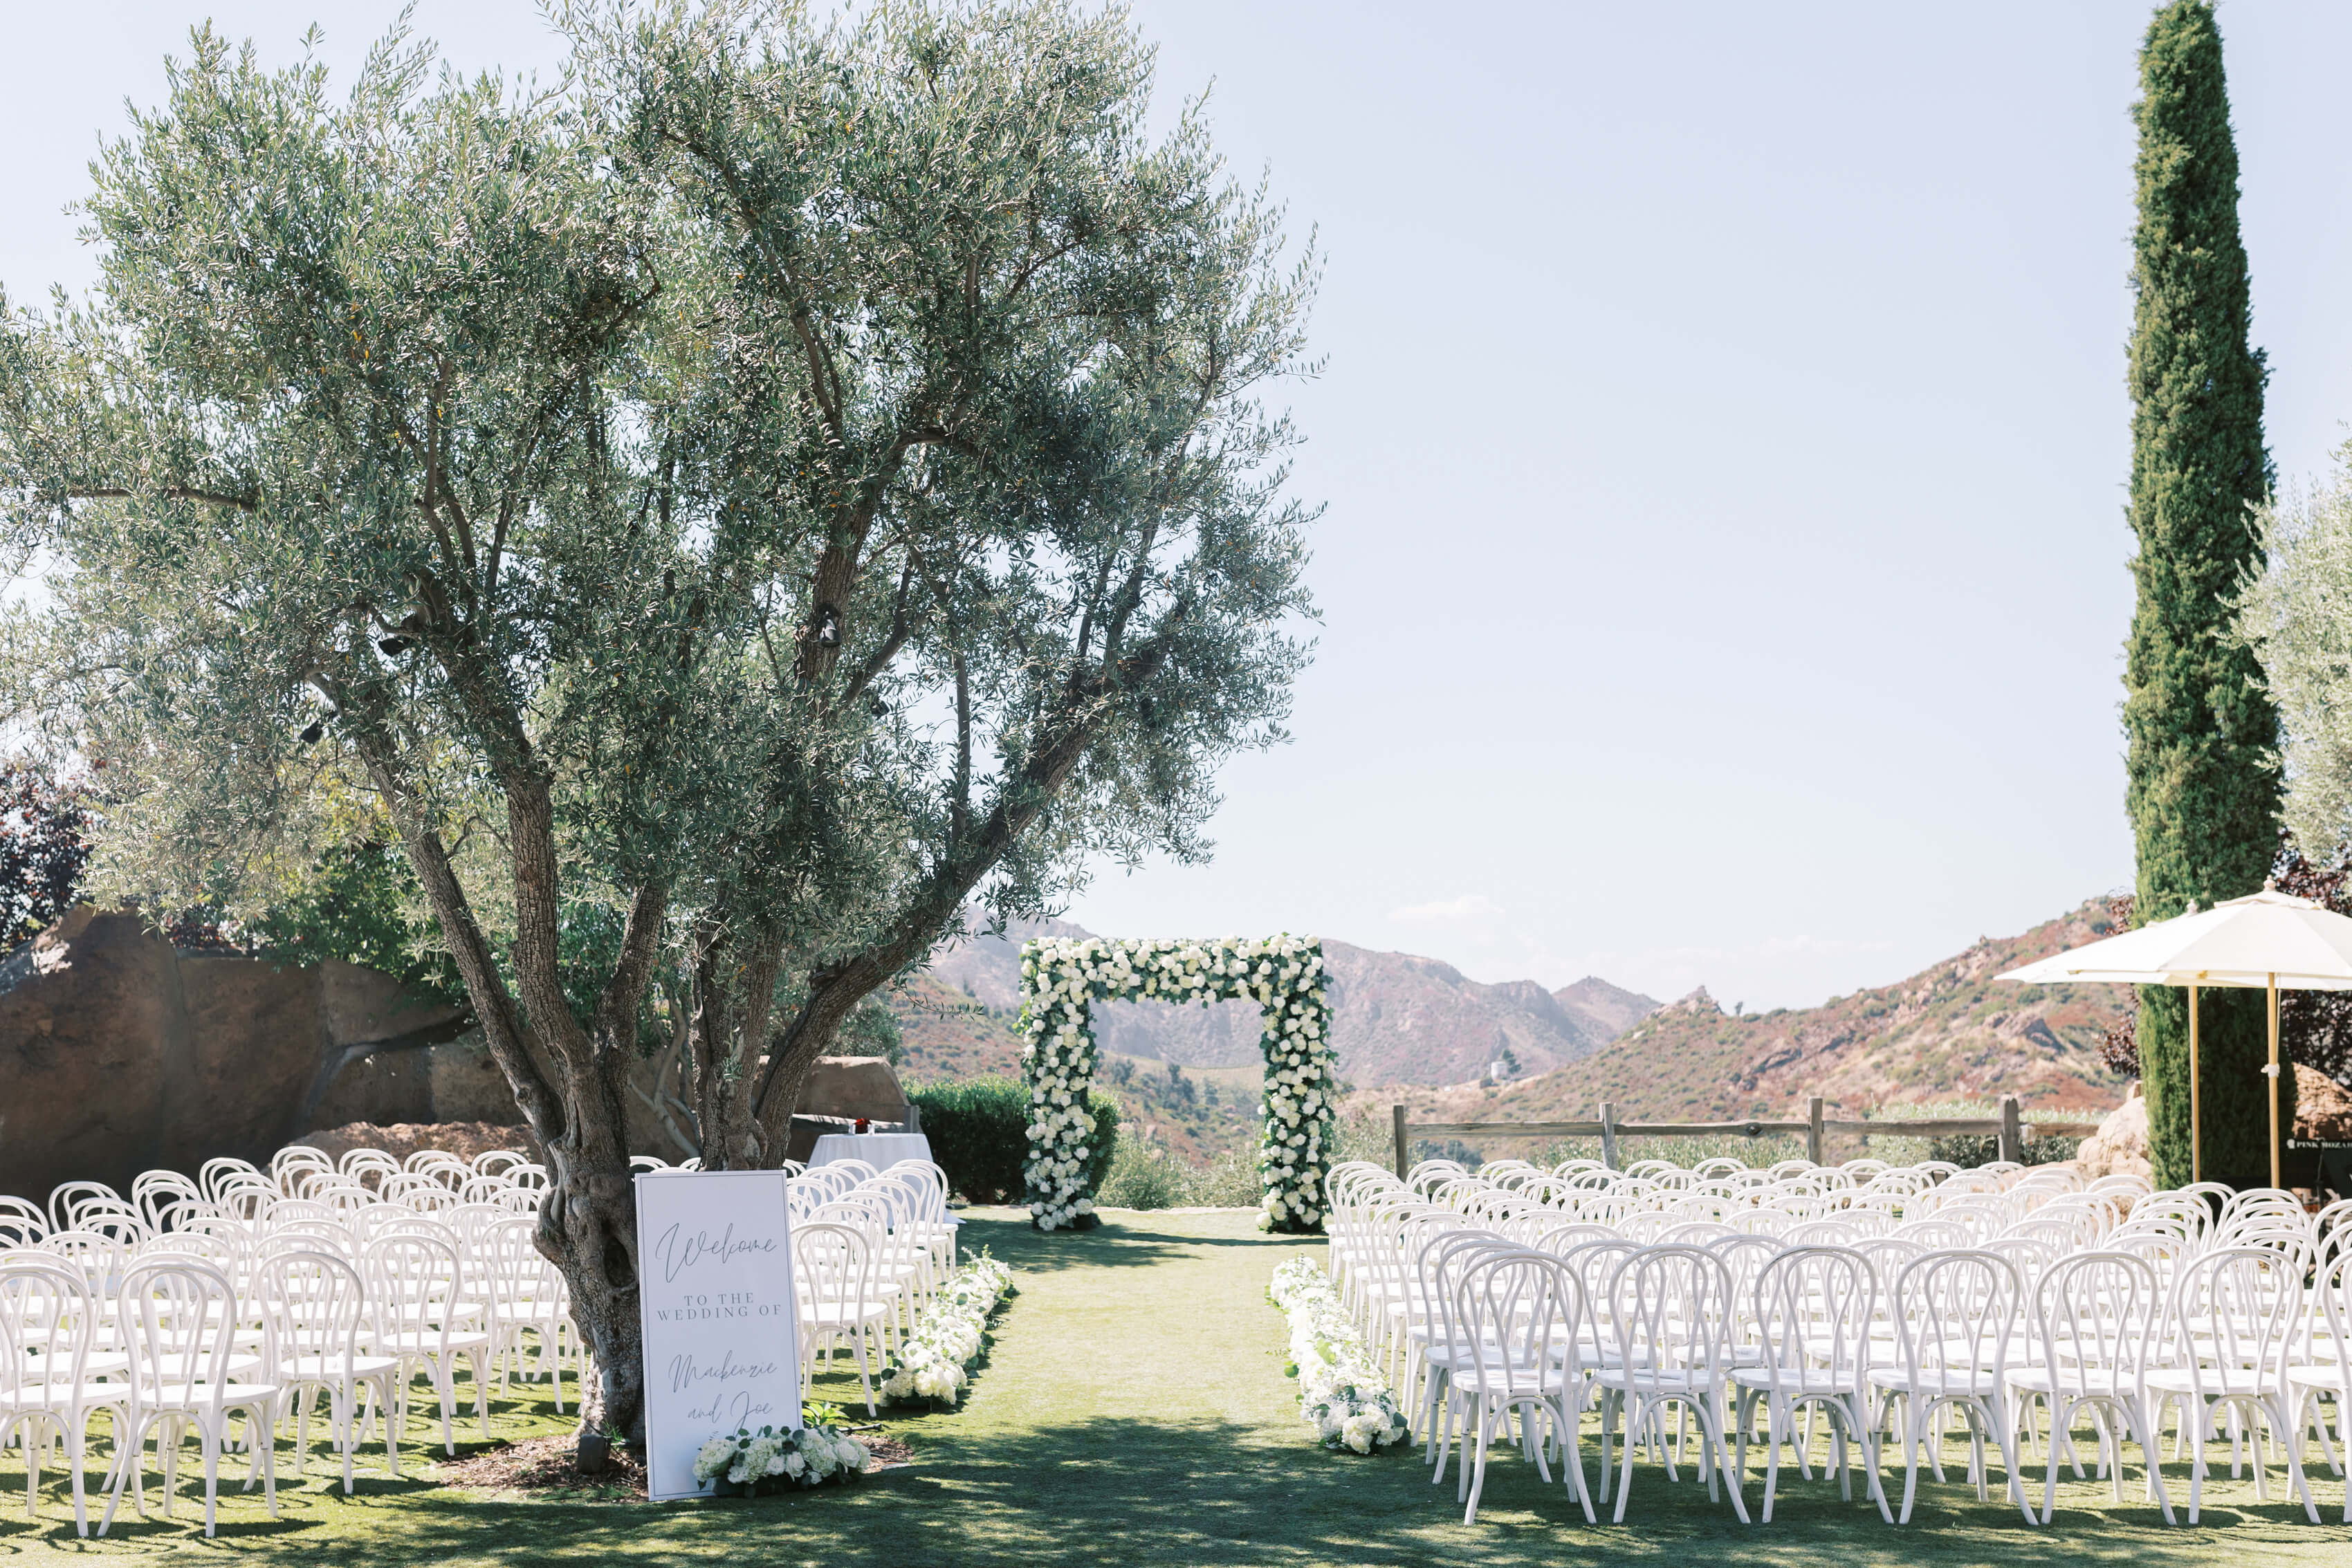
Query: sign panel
{"type": "Point", "coordinates": [715, 1292]}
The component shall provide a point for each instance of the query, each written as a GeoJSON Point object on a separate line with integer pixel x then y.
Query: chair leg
{"type": "Point", "coordinates": [1475, 1477]}
{"type": "Point", "coordinates": [1914, 1434]}
{"type": "Point", "coordinates": [2147, 1452]}
{"type": "Point", "coordinates": [1572, 1451]}
{"type": "Point", "coordinates": [1634, 1413]}
{"type": "Point", "coordinates": [208, 1441]}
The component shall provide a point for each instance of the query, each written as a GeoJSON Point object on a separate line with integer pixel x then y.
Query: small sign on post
{"type": "Point", "coordinates": [714, 1300]}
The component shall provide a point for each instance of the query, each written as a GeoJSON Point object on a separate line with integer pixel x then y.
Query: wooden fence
{"type": "Point", "coordinates": [2009, 1127]}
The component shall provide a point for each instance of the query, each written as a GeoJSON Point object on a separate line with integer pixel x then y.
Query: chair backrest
{"type": "Point", "coordinates": [314, 1299]}
{"type": "Point", "coordinates": [833, 1264]}
{"type": "Point", "coordinates": [498, 1162]}
{"type": "Point", "coordinates": [67, 1197]}
{"type": "Point", "coordinates": [520, 1275]}
{"type": "Point", "coordinates": [1668, 1314]}
{"type": "Point", "coordinates": [288, 1165]}
{"type": "Point", "coordinates": [2094, 1321]}
{"type": "Point", "coordinates": [370, 1165]}
{"type": "Point", "coordinates": [154, 1192]}
{"type": "Point", "coordinates": [1744, 1258]}
{"type": "Point", "coordinates": [216, 1172]}
{"type": "Point", "coordinates": [99, 1259]}
{"type": "Point", "coordinates": [232, 1255]}
{"type": "Point", "coordinates": [1813, 1308]}
{"type": "Point", "coordinates": [22, 1222]}
{"type": "Point", "coordinates": [178, 1320]}
{"type": "Point", "coordinates": [2330, 1328]}
{"type": "Point", "coordinates": [1954, 1310]}
{"type": "Point", "coordinates": [1519, 1309]}
{"type": "Point", "coordinates": [413, 1282]}
{"type": "Point", "coordinates": [47, 1314]}
{"type": "Point", "coordinates": [2234, 1308]}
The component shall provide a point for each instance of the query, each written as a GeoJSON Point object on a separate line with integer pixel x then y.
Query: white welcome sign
{"type": "Point", "coordinates": [715, 1292]}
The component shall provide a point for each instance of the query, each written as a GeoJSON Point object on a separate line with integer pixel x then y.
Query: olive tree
{"type": "Point", "coordinates": [730, 512]}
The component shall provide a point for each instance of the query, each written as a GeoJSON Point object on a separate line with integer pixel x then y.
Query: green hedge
{"type": "Point", "coordinates": [979, 1132]}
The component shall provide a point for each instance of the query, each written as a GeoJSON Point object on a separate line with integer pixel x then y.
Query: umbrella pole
{"type": "Point", "coordinates": [2273, 1073]}
{"type": "Point", "coordinates": [2195, 1122]}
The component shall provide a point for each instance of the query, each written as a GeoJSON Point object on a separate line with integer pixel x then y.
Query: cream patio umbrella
{"type": "Point", "coordinates": [2270, 940]}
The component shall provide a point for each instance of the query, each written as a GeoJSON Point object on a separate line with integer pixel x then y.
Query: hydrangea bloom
{"type": "Point", "coordinates": [1342, 1393]}
{"type": "Point", "coordinates": [935, 1360]}
{"type": "Point", "coordinates": [749, 1462]}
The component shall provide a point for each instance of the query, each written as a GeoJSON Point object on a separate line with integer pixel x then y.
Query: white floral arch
{"type": "Point", "coordinates": [1061, 980]}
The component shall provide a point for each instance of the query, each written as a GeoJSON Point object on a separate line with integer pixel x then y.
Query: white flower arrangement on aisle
{"type": "Point", "coordinates": [747, 1463]}
{"type": "Point", "coordinates": [1341, 1393]}
{"type": "Point", "coordinates": [1061, 980]}
{"type": "Point", "coordinates": [935, 1362]}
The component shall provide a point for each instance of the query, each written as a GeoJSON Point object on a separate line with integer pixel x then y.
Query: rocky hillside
{"type": "Point", "coordinates": [1401, 1018]}
{"type": "Point", "coordinates": [1948, 1032]}
{"type": "Point", "coordinates": [945, 1034]}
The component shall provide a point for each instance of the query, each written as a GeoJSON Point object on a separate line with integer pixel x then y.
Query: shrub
{"type": "Point", "coordinates": [1143, 1176]}
{"type": "Point", "coordinates": [979, 1132]}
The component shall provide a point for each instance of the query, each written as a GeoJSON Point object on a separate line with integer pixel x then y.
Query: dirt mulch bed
{"type": "Point", "coordinates": [543, 1467]}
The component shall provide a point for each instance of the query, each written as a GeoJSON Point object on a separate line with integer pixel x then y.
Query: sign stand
{"type": "Point", "coordinates": [715, 1299]}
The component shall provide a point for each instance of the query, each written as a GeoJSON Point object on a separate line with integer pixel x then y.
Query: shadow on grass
{"type": "Point", "coordinates": [1208, 1493]}
{"type": "Point", "coordinates": [1119, 1242]}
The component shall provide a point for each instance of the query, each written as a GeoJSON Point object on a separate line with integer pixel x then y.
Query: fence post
{"type": "Point", "coordinates": [1396, 1121]}
{"type": "Point", "coordinates": [2012, 1131]}
{"type": "Point", "coordinates": [1813, 1129]}
{"type": "Point", "coordinates": [1608, 1135]}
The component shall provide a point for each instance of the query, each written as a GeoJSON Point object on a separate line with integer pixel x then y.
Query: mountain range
{"type": "Point", "coordinates": [1398, 1019]}
{"type": "Point", "coordinates": [1950, 1031]}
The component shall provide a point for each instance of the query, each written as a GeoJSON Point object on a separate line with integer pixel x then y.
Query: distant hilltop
{"type": "Point", "coordinates": [1399, 1019]}
{"type": "Point", "coordinates": [1948, 1032]}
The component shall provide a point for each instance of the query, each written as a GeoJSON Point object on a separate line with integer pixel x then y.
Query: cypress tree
{"type": "Point", "coordinates": [2204, 792]}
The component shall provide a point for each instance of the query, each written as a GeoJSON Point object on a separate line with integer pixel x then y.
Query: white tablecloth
{"type": "Point", "coordinates": [880, 1150]}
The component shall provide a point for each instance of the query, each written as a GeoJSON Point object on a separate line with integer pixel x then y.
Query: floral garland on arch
{"type": "Point", "coordinates": [1061, 980]}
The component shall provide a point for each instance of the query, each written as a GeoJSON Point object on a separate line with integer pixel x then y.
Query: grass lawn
{"type": "Point", "coordinates": [1134, 1412]}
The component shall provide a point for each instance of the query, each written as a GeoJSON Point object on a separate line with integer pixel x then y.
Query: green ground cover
{"type": "Point", "coordinates": [1134, 1412]}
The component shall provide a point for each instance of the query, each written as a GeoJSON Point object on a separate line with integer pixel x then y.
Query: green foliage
{"type": "Point", "coordinates": [355, 908]}
{"type": "Point", "coordinates": [2297, 619]}
{"type": "Point", "coordinates": [2204, 788]}
{"type": "Point", "coordinates": [45, 826]}
{"type": "Point", "coordinates": [870, 1030]}
{"type": "Point", "coordinates": [979, 1132]}
{"type": "Point", "coordinates": [732, 510]}
{"type": "Point", "coordinates": [1969, 1151]}
{"type": "Point", "coordinates": [1146, 1176]}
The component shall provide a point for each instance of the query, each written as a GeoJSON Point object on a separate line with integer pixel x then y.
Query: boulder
{"type": "Point", "coordinates": [2120, 1146]}
{"type": "Point", "coordinates": [120, 1053]}
{"type": "Point", "coordinates": [2323, 1107]}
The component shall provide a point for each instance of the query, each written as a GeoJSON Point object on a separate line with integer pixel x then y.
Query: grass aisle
{"type": "Point", "coordinates": [1135, 1413]}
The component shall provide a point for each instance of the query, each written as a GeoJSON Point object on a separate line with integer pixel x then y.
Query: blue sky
{"type": "Point", "coordinates": [1723, 436]}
